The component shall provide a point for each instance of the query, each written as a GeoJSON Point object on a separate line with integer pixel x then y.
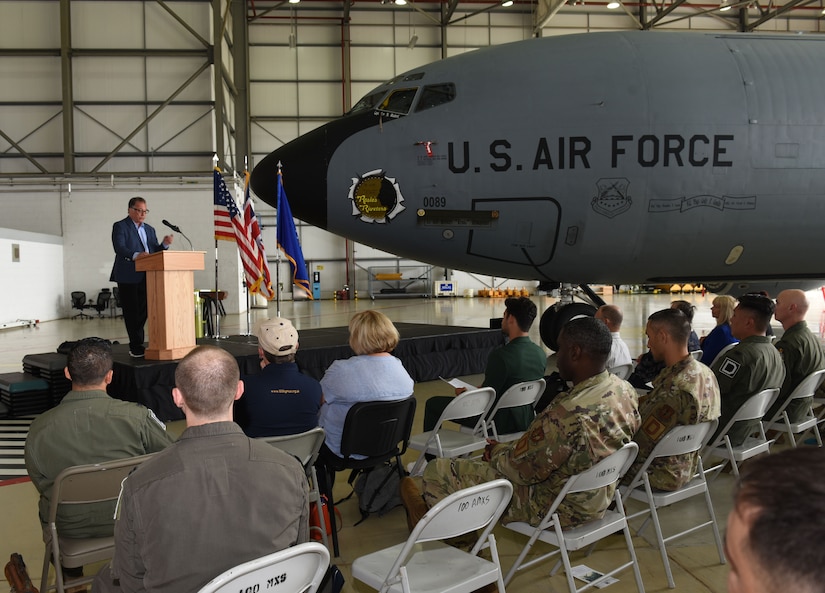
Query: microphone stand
{"type": "Point", "coordinates": [187, 238]}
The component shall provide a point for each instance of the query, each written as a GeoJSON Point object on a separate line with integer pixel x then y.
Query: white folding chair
{"type": "Point", "coordinates": [606, 472]}
{"type": "Point", "coordinates": [696, 354]}
{"type": "Point", "coordinates": [442, 441]}
{"type": "Point", "coordinates": [722, 352]}
{"type": "Point", "coordinates": [680, 440]}
{"type": "Point", "coordinates": [305, 446]}
{"type": "Point", "coordinates": [299, 569]}
{"type": "Point", "coordinates": [753, 409]}
{"type": "Point", "coordinates": [423, 564]}
{"type": "Point", "coordinates": [623, 371]}
{"type": "Point", "coordinates": [809, 421]}
{"type": "Point", "coordinates": [521, 394]}
{"type": "Point", "coordinates": [82, 484]}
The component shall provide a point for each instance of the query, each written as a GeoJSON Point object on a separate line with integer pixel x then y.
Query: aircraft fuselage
{"type": "Point", "coordinates": [627, 157]}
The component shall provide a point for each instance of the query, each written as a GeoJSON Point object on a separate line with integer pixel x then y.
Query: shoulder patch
{"type": "Point", "coordinates": [729, 367]}
{"type": "Point", "coordinates": [653, 428]}
{"type": "Point", "coordinates": [156, 419]}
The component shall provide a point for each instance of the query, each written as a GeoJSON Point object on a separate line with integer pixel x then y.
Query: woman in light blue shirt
{"type": "Point", "coordinates": [373, 374]}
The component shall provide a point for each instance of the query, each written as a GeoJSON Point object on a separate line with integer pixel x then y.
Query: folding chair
{"type": "Point", "coordinates": [680, 440]}
{"type": "Point", "coordinates": [722, 352]}
{"type": "Point", "coordinates": [623, 371]}
{"type": "Point", "coordinates": [378, 431]}
{"type": "Point", "coordinates": [753, 409]}
{"type": "Point", "coordinates": [299, 569]}
{"type": "Point", "coordinates": [82, 484]}
{"type": "Point", "coordinates": [520, 394]}
{"type": "Point", "coordinates": [696, 354]}
{"type": "Point", "coordinates": [445, 442]}
{"type": "Point", "coordinates": [305, 446]}
{"type": "Point", "coordinates": [423, 564]}
{"type": "Point", "coordinates": [781, 421]}
{"type": "Point", "coordinates": [606, 472]}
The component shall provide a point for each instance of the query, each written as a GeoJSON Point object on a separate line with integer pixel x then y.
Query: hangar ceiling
{"type": "Point", "coordinates": [100, 88]}
{"type": "Point", "coordinates": [736, 15]}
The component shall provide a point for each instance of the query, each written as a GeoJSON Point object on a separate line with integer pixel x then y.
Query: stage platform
{"type": "Point", "coordinates": [427, 352]}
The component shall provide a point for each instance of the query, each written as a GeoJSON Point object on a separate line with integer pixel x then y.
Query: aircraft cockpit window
{"type": "Point", "coordinates": [368, 102]}
{"type": "Point", "coordinates": [435, 95]}
{"type": "Point", "coordinates": [416, 76]}
{"type": "Point", "coordinates": [399, 101]}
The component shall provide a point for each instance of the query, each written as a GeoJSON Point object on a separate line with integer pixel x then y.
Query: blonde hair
{"type": "Point", "coordinates": [726, 304]}
{"type": "Point", "coordinates": [371, 332]}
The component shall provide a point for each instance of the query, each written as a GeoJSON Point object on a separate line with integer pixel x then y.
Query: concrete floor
{"type": "Point", "coordinates": [694, 559]}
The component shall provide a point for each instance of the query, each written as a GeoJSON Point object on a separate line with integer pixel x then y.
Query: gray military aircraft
{"type": "Point", "coordinates": [614, 158]}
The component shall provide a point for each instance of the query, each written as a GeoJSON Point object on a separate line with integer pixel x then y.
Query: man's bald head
{"type": "Point", "coordinates": [611, 315]}
{"type": "Point", "coordinates": [791, 307]}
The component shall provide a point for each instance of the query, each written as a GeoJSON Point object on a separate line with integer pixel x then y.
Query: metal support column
{"type": "Point", "coordinates": [67, 84]}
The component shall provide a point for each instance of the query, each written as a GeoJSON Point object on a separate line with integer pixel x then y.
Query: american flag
{"type": "Point", "coordinates": [230, 226]}
{"type": "Point", "coordinates": [260, 282]}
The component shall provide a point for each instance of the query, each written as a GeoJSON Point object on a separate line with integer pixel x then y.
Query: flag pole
{"type": "Point", "coordinates": [217, 313]}
{"type": "Point", "coordinates": [248, 296]}
{"type": "Point", "coordinates": [278, 251]}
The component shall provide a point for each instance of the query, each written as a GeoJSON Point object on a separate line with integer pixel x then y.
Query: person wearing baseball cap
{"type": "Point", "coordinates": [280, 399]}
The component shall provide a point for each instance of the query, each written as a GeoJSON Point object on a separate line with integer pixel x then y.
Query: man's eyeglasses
{"type": "Point", "coordinates": [139, 211]}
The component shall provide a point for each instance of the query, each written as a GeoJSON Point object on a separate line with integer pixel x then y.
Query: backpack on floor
{"type": "Point", "coordinates": [377, 490]}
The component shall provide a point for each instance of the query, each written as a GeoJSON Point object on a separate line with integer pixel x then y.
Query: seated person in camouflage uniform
{"type": "Point", "coordinates": [800, 350]}
{"type": "Point", "coordinates": [596, 417]}
{"type": "Point", "coordinates": [749, 367]}
{"type": "Point", "coordinates": [647, 368]}
{"type": "Point", "coordinates": [684, 393]}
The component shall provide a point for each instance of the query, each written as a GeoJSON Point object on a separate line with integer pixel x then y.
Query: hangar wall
{"type": "Point", "coordinates": [105, 99]}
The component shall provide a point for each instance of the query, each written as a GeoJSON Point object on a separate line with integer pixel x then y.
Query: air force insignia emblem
{"type": "Point", "coordinates": [612, 198]}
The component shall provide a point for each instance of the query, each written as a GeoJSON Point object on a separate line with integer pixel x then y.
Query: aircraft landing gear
{"type": "Point", "coordinates": [554, 318]}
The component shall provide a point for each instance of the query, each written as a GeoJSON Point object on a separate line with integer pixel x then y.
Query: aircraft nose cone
{"type": "Point", "coordinates": [304, 167]}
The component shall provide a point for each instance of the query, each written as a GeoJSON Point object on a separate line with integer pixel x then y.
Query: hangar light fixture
{"type": "Point", "coordinates": [725, 6]}
{"type": "Point", "coordinates": [507, 3]}
{"type": "Point", "coordinates": [294, 1]}
{"type": "Point", "coordinates": [613, 5]}
{"type": "Point", "coordinates": [400, 2]}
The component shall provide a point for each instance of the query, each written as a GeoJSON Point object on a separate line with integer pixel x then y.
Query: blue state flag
{"type": "Point", "coordinates": [288, 241]}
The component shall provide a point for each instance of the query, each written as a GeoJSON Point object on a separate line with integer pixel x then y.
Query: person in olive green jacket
{"type": "Point", "coordinates": [749, 367]}
{"type": "Point", "coordinates": [87, 427]}
{"type": "Point", "coordinates": [800, 350]}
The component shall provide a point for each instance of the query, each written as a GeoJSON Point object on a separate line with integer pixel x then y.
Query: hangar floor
{"type": "Point", "coordinates": [694, 561]}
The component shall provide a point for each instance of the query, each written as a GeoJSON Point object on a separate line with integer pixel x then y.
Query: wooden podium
{"type": "Point", "coordinates": [170, 287]}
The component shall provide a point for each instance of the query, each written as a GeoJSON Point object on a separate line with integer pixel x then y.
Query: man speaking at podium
{"type": "Point", "coordinates": [132, 240]}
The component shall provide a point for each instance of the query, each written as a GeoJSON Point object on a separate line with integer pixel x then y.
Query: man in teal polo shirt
{"type": "Point", "coordinates": [517, 361]}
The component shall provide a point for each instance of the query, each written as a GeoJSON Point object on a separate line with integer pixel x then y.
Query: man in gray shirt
{"type": "Point", "coordinates": [211, 501]}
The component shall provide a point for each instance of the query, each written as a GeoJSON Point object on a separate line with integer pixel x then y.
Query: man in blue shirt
{"type": "Point", "coordinates": [132, 240]}
{"type": "Point", "coordinates": [280, 399]}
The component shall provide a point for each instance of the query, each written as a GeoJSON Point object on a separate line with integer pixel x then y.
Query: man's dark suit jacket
{"type": "Point", "coordinates": [126, 241]}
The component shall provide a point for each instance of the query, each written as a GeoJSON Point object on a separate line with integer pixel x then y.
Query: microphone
{"type": "Point", "coordinates": [177, 230]}
{"type": "Point", "coordinates": [171, 226]}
